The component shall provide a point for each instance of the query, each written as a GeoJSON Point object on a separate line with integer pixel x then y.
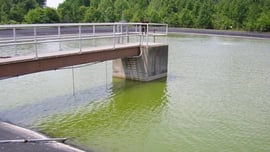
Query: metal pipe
{"type": "Point", "coordinates": [80, 38]}
{"type": "Point", "coordinates": [166, 33]}
{"type": "Point", "coordinates": [94, 32]}
{"type": "Point", "coordinates": [14, 38]}
{"type": "Point", "coordinates": [140, 34]}
{"type": "Point", "coordinates": [59, 37]}
{"type": "Point", "coordinates": [121, 33]}
{"type": "Point", "coordinates": [72, 24]}
{"type": "Point", "coordinates": [127, 33]}
{"type": "Point", "coordinates": [73, 81]}
{"type": "Point", "coordinates": [35, 40]}
{"type": "Point", "coordinates": [70, 38]}
{"type": "Point", "coordinates": [147, 35]}
{"type": "Point", "coordinates": [113, 36]}
{"type": "Point", "coordinates": [154, 35]}
{"type": "Point", "coordinates": [33, 140]}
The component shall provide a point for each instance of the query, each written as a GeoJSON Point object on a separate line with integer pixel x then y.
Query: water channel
{"type": "Point", "coordinates": [216, 98]}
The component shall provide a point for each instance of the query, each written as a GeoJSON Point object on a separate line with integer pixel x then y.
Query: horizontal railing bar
{"type": "Point", "coordinates": [25, 40]}
{"type": "Point", "coordinates": [76, 24]}
{"type": "Point", "coordinates": [61, 40]}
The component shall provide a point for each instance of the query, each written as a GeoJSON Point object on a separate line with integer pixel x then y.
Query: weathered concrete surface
{"type": "Point", "coordinates": [12, 132]}
{"type": "Point", "coordinates": [151, 65]}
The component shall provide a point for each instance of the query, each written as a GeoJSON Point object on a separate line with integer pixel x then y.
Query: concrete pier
{"type": "Point", "coordinates": [150, 65]}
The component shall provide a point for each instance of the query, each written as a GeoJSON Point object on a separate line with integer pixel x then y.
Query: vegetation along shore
{"type": "Point", "coordinates": [248, 15]}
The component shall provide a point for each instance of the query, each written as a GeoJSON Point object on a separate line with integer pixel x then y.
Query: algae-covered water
{"type": "Point", "coordinates": [216, 98]}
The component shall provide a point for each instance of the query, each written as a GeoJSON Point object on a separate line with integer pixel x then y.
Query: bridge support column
{"type": "Point", "coordinates": [151, 65]}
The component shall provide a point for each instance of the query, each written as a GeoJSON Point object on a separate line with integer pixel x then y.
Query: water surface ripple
{"type": "Point", "coordinates": [215, 98]}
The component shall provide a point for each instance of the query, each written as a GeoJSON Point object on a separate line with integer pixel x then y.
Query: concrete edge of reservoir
{"type": "Point", "coordinates": [10, 132]}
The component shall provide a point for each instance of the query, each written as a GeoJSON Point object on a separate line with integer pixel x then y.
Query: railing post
{"type": "Point", "coordinates": [154, 34]}
{"type": "Point", "coordinates": [15, 40]}
{"type": "Point", "coordinates": [122, 33]}
{"type": "Point", "coordinates": [113, 36]}
{"type": "Point", "coordinates": [136, 31]}
{"type": "Point", "coordinates": [59, 37]}
{"type": "Point", "coordinates": [35, 37]}
{"type": "Point", "coordinates": [117, 33]}
{"type": "Point", "coordinates": [167, 33]}
{"type": "Point", "coordinates": [80, 38]}
{"type": "Point", "coordinates": [140, 34]}
{"type": "Point", "coordinates": [94, 33]}
{"type": "Point", "coordinates": [147, 34]}
{"type": "Point", "coordinates": [127, 33]}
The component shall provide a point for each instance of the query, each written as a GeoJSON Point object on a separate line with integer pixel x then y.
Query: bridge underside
{"type": "Point", "coordinates": [16, 66]}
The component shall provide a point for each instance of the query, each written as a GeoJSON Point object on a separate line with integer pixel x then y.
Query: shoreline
{"type": "Point", "coordinates": [171, 30]}
{"type": "Point", "coordinates": [176, 30]}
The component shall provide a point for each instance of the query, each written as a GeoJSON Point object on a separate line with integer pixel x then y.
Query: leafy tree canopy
{"type": "Point", "coordinates": [250, 15]}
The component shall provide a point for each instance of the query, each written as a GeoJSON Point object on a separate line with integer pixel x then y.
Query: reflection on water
{"type": "Point", "coordinates": [124, 121]}
{"type": "Point", "coordinates": [215, 98]}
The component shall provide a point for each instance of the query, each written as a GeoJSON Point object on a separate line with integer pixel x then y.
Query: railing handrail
{"type": "Point", "coordinates": [77, 24]}
{"type": "Point", "coordinates": [116, 30]}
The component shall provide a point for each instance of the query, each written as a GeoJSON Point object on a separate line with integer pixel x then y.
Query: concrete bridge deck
{"type": "Point", "coordinates": [20, 65]}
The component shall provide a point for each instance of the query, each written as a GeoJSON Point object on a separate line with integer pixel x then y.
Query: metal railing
{"type": "Point", "coordinates": [113, 34]}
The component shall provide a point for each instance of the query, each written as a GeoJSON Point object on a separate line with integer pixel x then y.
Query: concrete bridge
{"type": "Point", "coordinates": [138, 50]}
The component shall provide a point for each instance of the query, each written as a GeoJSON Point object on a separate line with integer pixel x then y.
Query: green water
{"type": "Point", "coordinates": [216, 98]}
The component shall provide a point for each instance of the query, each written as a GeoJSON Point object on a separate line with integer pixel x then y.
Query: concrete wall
{"type": "Point", "coordinates": [151, 65]}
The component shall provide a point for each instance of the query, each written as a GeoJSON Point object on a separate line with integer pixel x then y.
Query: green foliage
{"type": "Point", "coordinates": [92, 15]}
{"type": "Point", "coordinates": [13, 11]}
{"type": "Point", "coordinates": [186, 18]}
{"type": "Point", "coordinates": [39, 15]}
{"type": "Point", "coordinates": [263, 22]}
{"type": "Point", "coordinates": [72, 10]}
{"type": "Point", "coordinates": [251, 15]}
{"type": "Point", "coordinates": [107, 11]}
{"type": "Point", "coordinates": [119, 9]}
{"type": "Point", "coordinates": [205, 16]}
{"type": "Point", "coordinates": [221, 21]}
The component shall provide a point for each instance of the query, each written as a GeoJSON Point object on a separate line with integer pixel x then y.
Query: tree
{"type": "Point", "coordinates": [4, 7]}
{"type": "Point", "coordinates": [153, 16]}
{"type": "Point", "coordinates": [35, 16]}
{"type": "Point", "coordinates": [222, 22]}
{"type": "Point", "coordinates": [39, 15]}
{"type": "Point", "coordinates": [18, 11]}
{"type": "Point", "coordinates": [119, 9]}
{"type": "Point", "coordinates": [92, 15]}
{"type": "Point", "coordinates": [52, 15]}
{"type": "Point", "coordinates": [107, 11]}
{"type": "Point", "coordinates": [204, 20]}
{"type": "Point", "coordinates": [73, 10]}
{"type": "Point", "coordinates": [251, 15]}
{"type": "Point", "coordinates": [263, 22]}
{"type": "Point", "coordinates": [186, 19]}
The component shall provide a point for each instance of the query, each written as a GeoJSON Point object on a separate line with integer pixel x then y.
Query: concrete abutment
{"type": "Point", "coordinates": [150, 65]}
